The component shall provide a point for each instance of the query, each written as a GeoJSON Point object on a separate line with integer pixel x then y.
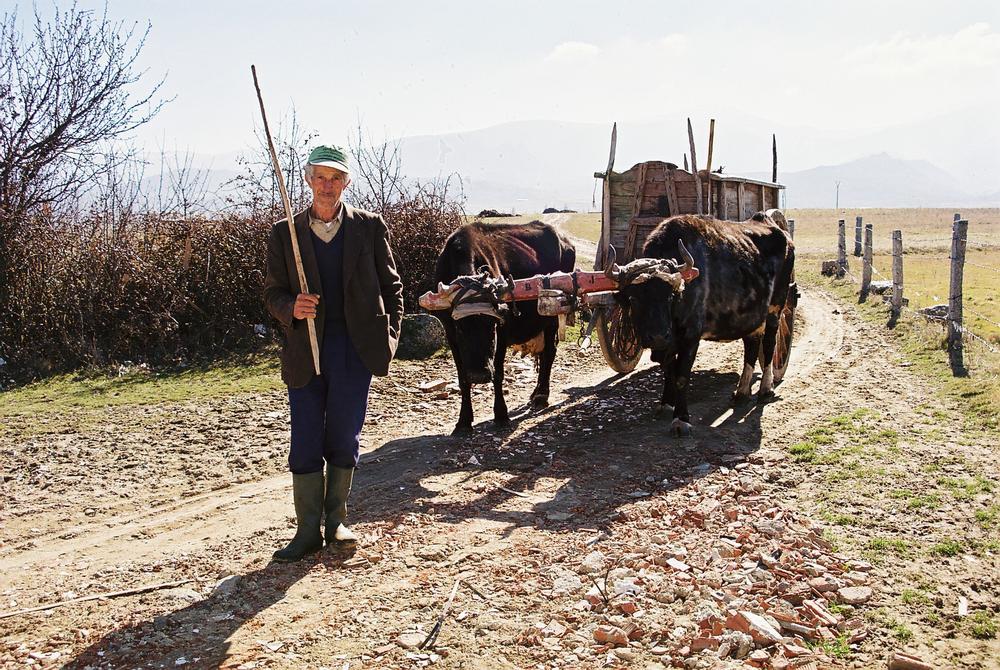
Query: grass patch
{"type": "Point", "coordinates": [901, 633]}
{"type": "Point", "coordinates": [914, 597]}
{"type": "Point", "coordinates": [963, 488]}
{"type": "Point", "coordinates": [982, 625]}
{"type": "Point", "coordinates": [586, 225]}
{"type": "Point", "coordinates": [947, 548]}
{"type": "Point", "coordinates": [140, 386]}
{"type": "Point", "coordinates": [838, 648]}
{"type": "Point", "coordinates": [841, 519]}
{"type": "Point", "coordinates": [803, 452]}
{"type": "Point", "coordinates": [878, 548]}
{"type": "Point", "coordinates": [921, 502]}
{"type": "Point", "coordinates": [987, 518]}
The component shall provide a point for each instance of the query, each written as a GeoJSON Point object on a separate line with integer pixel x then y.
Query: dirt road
{"type": "Point", "coordinates": [586, 250]}
{"type": "Point", "coordinates": [592, 488]}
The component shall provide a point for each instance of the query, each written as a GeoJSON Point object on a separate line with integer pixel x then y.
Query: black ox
{"type": "Point", "coordinates": [481, 327]}
{"type": "Point", "coordinates": [717, 280]}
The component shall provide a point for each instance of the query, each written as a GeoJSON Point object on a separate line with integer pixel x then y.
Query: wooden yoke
{"type": "Point", "coordinates": [577, 283]}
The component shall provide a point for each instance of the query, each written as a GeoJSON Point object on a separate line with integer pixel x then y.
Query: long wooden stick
{"type": "Point", "coordinates": [429, 641]}
{"type": "Point", "coordinates": [694, 169]}
{"type": "Point", "coordinates": [303, 284]}
{"type": "Point", "coordinates": [774, 158]}
{"type": "Point", "coordinates": [96, 596]}
{"type": "Point", "coordinates": [708, 167]}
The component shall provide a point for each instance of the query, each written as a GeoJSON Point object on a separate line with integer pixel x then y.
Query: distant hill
{"type": "Point", "coordinates": [877, 181]}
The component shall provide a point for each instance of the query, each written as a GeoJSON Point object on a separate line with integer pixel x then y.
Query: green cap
{"type": "Point", "coordinates": [330, 156]}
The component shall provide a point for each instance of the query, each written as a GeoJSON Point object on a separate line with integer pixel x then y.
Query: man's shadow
{"type": "Point", "coordinates": [201, 631]}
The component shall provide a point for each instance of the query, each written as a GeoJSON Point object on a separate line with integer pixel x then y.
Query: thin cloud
{"type": "Point", "coordinates": [571, 52]}
{"type": "Point", "coordinates": [973, 47]}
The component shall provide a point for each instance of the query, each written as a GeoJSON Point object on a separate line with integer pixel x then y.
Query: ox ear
{"type": "Point", "coordinates": [689, 275]}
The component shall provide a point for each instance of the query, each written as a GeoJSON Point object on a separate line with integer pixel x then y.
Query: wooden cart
{"type": "Point", "coordinates": [636, 201]}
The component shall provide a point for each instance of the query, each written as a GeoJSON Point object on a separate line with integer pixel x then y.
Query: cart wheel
{"type": "Point", "coordinates": [783, 338]}
{"type": "Point", "coordinates": [619, 343]}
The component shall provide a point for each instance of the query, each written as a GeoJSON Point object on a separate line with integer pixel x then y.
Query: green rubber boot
{"type": "Point", "coordinates": [307, 492]}
{"type": "Point", "coordinates": [338, 488]}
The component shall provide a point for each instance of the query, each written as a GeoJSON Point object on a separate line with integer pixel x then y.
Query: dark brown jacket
{"type": "Point", "coordinates": [373, 293]}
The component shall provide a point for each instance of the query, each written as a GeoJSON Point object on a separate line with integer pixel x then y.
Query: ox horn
{"type": "Point", "coordinates": [611, 268]}
{"type": "Point", "coordinates": [686, 255]}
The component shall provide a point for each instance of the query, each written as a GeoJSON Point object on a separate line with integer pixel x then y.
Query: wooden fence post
{"type": "Point", "coordinates": [842, 246]}
{"type": "Point", "coordinates": [959, 234]}
{"type": "Point", "coordinates": [857, 236]}
{"type": "Point", "coordinates": [866, 269]}
{"type": "Point", "coordinates": [958, 217]}
{"type": "Point", "coordinates": [897, 273]}
{"type": "Point", "coordinates": [791, 228]}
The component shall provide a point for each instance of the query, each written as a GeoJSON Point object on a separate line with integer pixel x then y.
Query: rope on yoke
{"type": "Point", "coordinates": [513, 303]}
{"type": "Point", "coordinates": [480, 288]}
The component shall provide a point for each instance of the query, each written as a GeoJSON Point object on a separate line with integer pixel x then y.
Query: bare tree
{"type": "Point", "coordinates": [254, 193]}
{"type": "Point", "coordinates": [67, 90]}
{"type": "Point", "coordinates": [379, 181]}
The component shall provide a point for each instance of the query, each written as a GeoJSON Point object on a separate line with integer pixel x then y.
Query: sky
{"type": "Point", "coordinates": [429, 67]}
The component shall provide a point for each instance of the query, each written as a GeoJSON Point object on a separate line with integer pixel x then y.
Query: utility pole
{"type": "Point", "coordinates": [837, 205]}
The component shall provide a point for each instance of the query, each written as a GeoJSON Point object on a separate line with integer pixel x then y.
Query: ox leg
{"type": "Point", "coordinates": [540, 396]}
{"type": "Point", "coordinates": [751, 346]}
{"type": "Point", "coordinates": [668, 363]}
{"type": "Point", "coordinates": [686, 351]}
{"type": "Point", "coordinates": [464, 425]}
{"type": "Point", "coordinates": [500, 415]}
{"type": "Point", "coordinates": [766, 391]}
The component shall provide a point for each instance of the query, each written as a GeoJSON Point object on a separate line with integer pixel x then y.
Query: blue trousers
{"type": "Point", "coordinates": [329, 412]}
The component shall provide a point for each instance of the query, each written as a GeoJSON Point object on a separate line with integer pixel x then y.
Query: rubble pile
{"type": "Point", "coordinates": [729, 576]}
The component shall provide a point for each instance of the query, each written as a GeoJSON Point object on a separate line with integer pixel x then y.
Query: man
{"type": "Point", "coordinates": [356, 301]}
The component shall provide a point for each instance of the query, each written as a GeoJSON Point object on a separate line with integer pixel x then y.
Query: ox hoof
{"type": "Point", "coordinates": [462, 430]}
{"type": "Point", "coordinates": [681, 428]}
{"type": "Point", "coordinates": [539, 401]}
{"type": "Point", "coordinates": [501, 422]}
{"type": "Point", "coordinates": [764, 397]}
{"type": "Point", "coordinates": [740, 398]}
{"type": "Point", "coordinates": [662, 410]}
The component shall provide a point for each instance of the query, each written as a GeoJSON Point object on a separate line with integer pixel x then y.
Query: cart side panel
{"type": "Point", "coordinates": [772, 196]}
{"type": "Point", "coordinates": [751, 201]}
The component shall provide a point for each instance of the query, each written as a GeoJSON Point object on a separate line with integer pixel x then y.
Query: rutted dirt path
{"type": "Point", "coordinates": [520, 517]}
{"type": "Point", "coordinates": [586, 250]}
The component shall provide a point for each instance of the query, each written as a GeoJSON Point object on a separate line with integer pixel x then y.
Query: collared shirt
{"type": "Point", "coordinates": [327, 230]}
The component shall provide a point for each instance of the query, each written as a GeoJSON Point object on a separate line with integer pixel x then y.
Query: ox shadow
{"type": "Point", "coordinates": [599, 449]}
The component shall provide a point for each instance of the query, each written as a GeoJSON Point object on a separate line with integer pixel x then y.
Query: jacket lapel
{"type": "Point", "coordinates": [353, 242]}
{"type": "Point", "coordinates": [308, 253]}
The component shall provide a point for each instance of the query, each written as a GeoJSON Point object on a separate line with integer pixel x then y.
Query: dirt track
{"type": "Point", "coordinates": [514, 515]}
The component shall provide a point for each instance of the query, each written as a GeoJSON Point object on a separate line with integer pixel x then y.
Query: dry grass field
{"type": "Point", "coordinates": [816, 229]}
{"type": "Point", "coordinates": [926, 250]}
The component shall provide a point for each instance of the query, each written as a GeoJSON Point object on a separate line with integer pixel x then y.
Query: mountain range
{"type": "Point", "coordinates": [526, 166]}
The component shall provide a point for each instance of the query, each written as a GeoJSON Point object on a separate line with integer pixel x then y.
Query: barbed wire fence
{"type": "Point", "coordinates": [950, 312]}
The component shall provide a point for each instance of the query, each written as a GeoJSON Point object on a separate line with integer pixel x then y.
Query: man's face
{"type": "Point", "coordinates": [327, 184]}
